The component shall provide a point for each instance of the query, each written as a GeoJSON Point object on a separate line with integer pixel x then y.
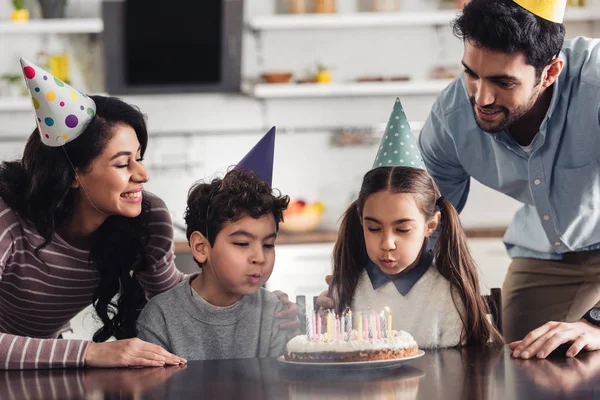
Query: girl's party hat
{"type": "Point", "coordinates": [398, 147]}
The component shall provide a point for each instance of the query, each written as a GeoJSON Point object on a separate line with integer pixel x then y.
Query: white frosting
{"type": "Point", "coordinates": [400, 340]}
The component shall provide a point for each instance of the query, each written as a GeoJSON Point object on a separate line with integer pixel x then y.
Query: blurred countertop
{"type": "Point", "coordinates": [330, 236]}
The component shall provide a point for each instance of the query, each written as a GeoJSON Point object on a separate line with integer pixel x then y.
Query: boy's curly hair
{"type": "Point", "coordinates": [239, 194]}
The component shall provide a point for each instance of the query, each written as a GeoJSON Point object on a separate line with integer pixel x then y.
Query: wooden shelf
{"type": "Point", "coordinates": [382, 20]}
{"type": "Point", "coordinates": [48, 26]}
{"type": "Point", "coordinates": [311, 90]}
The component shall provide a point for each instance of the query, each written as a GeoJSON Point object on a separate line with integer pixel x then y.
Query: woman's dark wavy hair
{"type": "Point", "coordinates": [505, 26]}
{"type": "Point", "coordinates": [452, 256]}
{"type": "Point", "coordinates": [239, 194]}
{"type": "Point", "coordinates": [38, 188]}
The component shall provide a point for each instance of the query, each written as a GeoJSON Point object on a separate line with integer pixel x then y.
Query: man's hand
{"type": "Point", "coordinates": [291, 323]}
{"type": "Point", "coordinates": [542, 341]}
{"type": "Point", "coordinates": [562, 377]}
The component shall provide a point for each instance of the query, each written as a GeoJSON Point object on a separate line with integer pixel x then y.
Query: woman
{"type": "Point", "coordinates": [76, 229]}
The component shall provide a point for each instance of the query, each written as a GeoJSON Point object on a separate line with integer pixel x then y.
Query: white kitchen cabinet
{"type": "Point", "coordinates": [301, 269]}
{"type": "Point", "coordinates": [492, 261]}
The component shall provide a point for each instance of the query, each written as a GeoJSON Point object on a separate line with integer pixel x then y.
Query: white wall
{"type": "Point", "coordinates": [306, 165]}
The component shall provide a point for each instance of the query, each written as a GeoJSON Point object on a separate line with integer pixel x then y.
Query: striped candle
{"type": "Point", "coordinates": [319, 328]}
{"type": "Point", "coordinates": [378, 320]}
{"type": "Point", "coordinates": [334, 328]}
{"type": "Point", "coordinates": [389, 321]}
{"type": "Point", "coordinates": [359, 326]}
{"type": "Point", "coordinates": [314, 329]}
{"type": "Point", "coordinates": [329, 326]}
{"type": "Point", "coordinates": [384, 325]}
{"type": "Point", "coordinates": [308, 328]}
{"type": "Point", "coordinates": [349, 321]}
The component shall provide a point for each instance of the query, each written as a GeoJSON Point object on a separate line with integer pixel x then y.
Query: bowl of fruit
{"type": "Point", "coordinates": [302, 217]}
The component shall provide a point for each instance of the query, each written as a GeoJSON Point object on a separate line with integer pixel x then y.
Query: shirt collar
{"type": "Point", "coordinates": [404, 281]}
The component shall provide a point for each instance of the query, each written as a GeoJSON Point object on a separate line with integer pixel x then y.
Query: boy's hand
{"type": "Point", "coordinates": [129, 353]}
{"type": "Point", "coordinates": [292, 322]}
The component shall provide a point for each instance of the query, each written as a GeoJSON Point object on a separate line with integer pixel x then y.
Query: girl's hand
{"type": "Point", "coordinates": [292, 323]}
{"type": "Point", "coordinates": [324, 301]}
{"type": "Point", "coordinates": [129, 353]}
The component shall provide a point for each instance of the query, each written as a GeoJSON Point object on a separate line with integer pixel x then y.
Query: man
{"type": "Point", "coordinates": [524, 119]}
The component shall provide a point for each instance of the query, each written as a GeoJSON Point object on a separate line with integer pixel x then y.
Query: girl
{"type": "Point", "coordinates": [76, 228]}
{"type": "Point", "coordinates": [381, 257]}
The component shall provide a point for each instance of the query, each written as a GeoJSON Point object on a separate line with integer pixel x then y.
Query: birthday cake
{"type": "Point", "coordinates": [370, 341]}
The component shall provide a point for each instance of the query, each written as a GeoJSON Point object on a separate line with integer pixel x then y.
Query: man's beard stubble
{"type": "Point", "coordinates": [510, 117]}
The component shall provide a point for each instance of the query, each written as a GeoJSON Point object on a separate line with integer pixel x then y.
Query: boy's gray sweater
{"type": "Point", "coordinates": [186, 325]}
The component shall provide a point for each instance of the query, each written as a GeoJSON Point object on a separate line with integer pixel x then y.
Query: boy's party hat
{"type": "Point", "coordinates": [260, 158]}
{"type": "Point", "coordinates": [398, 147]}
{"type": "Point", "coordinates": [551, 10]}
{"type": "Point", "coordinates": [62, 113]}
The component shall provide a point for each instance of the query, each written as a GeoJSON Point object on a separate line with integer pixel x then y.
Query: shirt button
{"type": "Point", "coordinates": [546, 218]}
{"type": "Point", "coordinates": [537, 181]}
{"type": "Point", "coordinates": [557, 244]}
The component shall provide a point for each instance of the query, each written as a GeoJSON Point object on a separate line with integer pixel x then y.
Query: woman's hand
{"type": "Point", "coordinates": [134, 381]}
{"type": "Point", "coordinates": [292, 323]}
{"type": "Point", "coordinates": [129, 353]}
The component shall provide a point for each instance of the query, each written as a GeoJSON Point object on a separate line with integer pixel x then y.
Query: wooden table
{"type": "Point", "coordinates": [444, 374]}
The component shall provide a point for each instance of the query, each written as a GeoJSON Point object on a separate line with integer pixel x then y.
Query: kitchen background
{"type": "Point", "coordinates": [363, 53]}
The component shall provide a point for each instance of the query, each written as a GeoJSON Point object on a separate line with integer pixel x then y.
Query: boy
{"type": "Point", "coordinates": [223, 312]}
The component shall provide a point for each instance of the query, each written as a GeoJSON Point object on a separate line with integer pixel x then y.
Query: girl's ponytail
{"type": "Point", "coordinates": [454, 262]}
{"type": "Point", "coordinates": [349, 258]}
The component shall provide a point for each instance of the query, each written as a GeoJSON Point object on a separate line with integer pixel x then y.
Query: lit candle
{"type": "Point", "coordinates": [384, 324]}
{"type": "Point", "coordinates": [373, 326]}
{"type": "Point", "coordinates": [329, 327]}
{"type": "Point", "coordinates": [349, 321]}
{"type": "Point", "coordinates": [359, 326]}
{"type": "Point", "coordinates": [389, 322]}
{"type": "Point", "coordinates": [314, 328]}
{"type": "Point", "coordinates": [319, 328]}
{"type": "Point", "coordinates": [335, 327]}
{"type": "Point", "coordinates": [366, 327]}
{"type": "Point", "coordinates": [378, 326]}
{"type": "Point", "coordinates": [343, 325]}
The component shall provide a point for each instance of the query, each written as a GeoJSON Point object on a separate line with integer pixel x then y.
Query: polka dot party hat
{"type": "Point", "coordinates": [551, 10]}
{"type": "Point", "coordinates": [62, 112]}
{"type": "Point", "coordinates": [398, 147]}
